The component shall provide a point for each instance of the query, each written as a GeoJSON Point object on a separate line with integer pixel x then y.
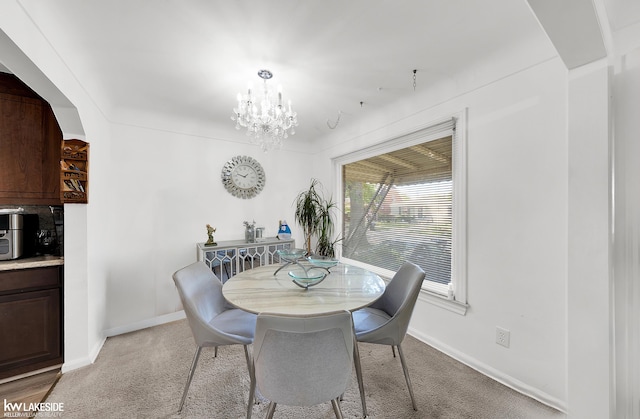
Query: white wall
{"type": "Point", "coordinates": [588, 286]}
{"type": "Point", "coordinates": [517, 228]}
{"type": "Point", "coordinates": [626, 238]}
{"type": "Point", "coordinates": [165, 187]}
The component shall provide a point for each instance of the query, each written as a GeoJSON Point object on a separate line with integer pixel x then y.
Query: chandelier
{"type": "Point", "coordinates": [267, 121]}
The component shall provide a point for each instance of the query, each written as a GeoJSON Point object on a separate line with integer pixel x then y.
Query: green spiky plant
{"type": "Point", "coordinates": [314, 214]}
{"type": "Point", "coordinates": [325, 245]}
{"type": "Point", "coordinates": [308, 204]}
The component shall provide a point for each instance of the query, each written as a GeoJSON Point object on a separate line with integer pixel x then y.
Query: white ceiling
{"type": "Point", "coordinates": [186, 60]}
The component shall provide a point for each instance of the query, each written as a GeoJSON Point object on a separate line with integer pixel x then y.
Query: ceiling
{"type": "Point", "coordinates": [186, 60]}
{"type": "Point", "coordinates": [405, 166]}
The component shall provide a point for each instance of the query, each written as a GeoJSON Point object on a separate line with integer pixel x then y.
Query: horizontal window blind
{"type": "Point", "coordinates": [398, 206]}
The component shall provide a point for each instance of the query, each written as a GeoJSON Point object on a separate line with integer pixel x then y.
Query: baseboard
{"type": "Point", "coordinates": [93, 354]}
{"type": "Point", "coordinates": [155, 321]}
{"type": "Point", "coordinates": [76, 363]}
{"type": "Point", "coordinates": [492, 373]}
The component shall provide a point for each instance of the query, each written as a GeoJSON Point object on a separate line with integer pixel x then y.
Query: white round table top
{"type": "Point", "coordinates": [345, 288]}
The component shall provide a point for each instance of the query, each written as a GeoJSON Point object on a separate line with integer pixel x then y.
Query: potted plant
{"type": "Point", "coordinates": [313, 214]}
{"type": "Point", "coordinates": [326, 245]}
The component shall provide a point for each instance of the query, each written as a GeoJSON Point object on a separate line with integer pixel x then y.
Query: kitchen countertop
{"type": "Point", "coordinates": [32, 262]}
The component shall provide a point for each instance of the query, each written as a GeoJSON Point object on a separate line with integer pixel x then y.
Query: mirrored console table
{"type": "Point", "coordinates": [227, 258]}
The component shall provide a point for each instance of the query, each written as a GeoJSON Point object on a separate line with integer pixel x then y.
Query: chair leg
{"type": "Point", "coordinates": [356, 361]}
{"type": "Point", "coordinates": [246, 357]}
{"type": "Point", "coordinates": [271, 410]}
{"type": "Point", "coordinates": [252, 391]}
{"type": "Point", "coordinates": [406, 376]}
{"type": "Point", "coordinates": [393, 350]}
{"type": "Point", "coordinates": [336, 408]}
{"type": "Point", "coordinates": [191, 371]}
{"type": "Point", "coordinates": [215, 352]}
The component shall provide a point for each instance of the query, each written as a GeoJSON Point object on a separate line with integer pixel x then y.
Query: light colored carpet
{"type": "Point", "coordinates": [142, 375]}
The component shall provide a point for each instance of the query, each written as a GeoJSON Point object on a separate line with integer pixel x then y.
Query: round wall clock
{"type": "Point", "coordinates": [243, 177]}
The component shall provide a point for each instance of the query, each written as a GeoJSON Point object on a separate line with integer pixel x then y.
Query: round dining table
{"type": "Point", "coordinates": [271, 289]}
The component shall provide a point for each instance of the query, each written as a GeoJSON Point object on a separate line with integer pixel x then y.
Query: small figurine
{"type": "Point", "coordinates": [210, 231]}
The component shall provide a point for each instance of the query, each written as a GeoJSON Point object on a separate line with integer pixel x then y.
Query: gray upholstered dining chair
{"type": "Point", "coordinates": [212, 321]}
{"type": "Point", "coordinates": [385, 322]}
{"type": "Point", "coordinates": [302, 361]}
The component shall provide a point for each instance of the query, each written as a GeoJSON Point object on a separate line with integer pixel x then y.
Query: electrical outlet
{"type": "Point", "coordinates": [502, 337]}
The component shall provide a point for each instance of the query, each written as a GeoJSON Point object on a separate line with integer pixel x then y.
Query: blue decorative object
{"type": "Point", "coordinates": [284, 232]}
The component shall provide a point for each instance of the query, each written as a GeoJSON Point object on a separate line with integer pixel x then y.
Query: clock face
{"type": "Point", "coordinates": [243, 177]}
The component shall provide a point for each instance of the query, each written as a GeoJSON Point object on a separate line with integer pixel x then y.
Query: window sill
{"type": "Point", "coordinates": [443, 302]}
{"type": "Point", "coordinates": [430, 297]}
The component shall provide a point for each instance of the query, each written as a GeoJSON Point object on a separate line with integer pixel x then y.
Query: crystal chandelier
{"type": "Point", "coordinates": [267, 121]}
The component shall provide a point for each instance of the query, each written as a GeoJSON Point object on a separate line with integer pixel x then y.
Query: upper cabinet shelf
{"type": "Point", "coordinates": [74, 172]}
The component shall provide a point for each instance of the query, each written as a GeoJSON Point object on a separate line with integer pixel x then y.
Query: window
{"type": "Point", "coordinates": [404, 200]}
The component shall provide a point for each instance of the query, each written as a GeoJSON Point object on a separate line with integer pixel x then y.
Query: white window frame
{"type": "Point", "coordinates": [432, 292]}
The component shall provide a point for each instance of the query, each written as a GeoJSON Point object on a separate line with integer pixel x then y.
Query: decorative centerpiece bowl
{"type": "Point", "coordinates": [291, 255]}
{"type": "Point", "coordinates": [322, 261]}
{"type": "Point", "coordinates": [307, 277]}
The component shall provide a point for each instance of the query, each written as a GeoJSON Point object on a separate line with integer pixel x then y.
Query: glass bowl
{"type": "Point", "coordinates": [307, 278]}
{"type": "Point", "coordinates": [322, 261]}
{"type": "Point", "coordinates": [291, 255]}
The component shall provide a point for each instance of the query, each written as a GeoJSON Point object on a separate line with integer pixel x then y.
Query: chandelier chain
{"type": "Point", "coordinates": [337, 121]}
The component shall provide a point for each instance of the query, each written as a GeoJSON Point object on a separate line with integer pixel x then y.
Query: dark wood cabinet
{"type": "Point", "coordinates": [30, 320]}
{"type": "Point", "coordinates": [30, 139]}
